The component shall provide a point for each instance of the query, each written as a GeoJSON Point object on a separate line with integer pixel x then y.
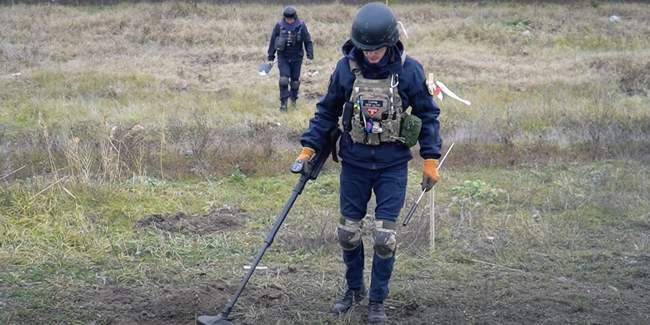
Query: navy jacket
{"type": "Point", "coordinates": [294, 52]}
{"type": "Point", "coordinates": [413, 90]}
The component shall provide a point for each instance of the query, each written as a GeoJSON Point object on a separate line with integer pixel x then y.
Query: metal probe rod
{"type": "Point", "coordinates": [417, 202]}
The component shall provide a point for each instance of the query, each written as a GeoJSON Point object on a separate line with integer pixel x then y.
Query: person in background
{"type": "Point", "coordinates": [290, 39]}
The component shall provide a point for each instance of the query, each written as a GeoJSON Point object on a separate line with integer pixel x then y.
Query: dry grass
{"type": "Point", "coordinates": [567, 241]}
{"type": "Point", "coordinates": [218, 45]}
{"type": "Point", "coordinates": [543, 78]}
{"type": "Point", "coordinates": [106, 111]}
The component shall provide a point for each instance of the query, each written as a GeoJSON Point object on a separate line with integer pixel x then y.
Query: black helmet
{"type": "Point", "coordinates": [374, 26]}
{"type": "Point", "coordinates": [290, 12]}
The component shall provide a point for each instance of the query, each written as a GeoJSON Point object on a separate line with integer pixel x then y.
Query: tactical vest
{"type": "Point", "coordinates": [289, 38]}
{"type": "Point", "coordinates": [377, 110]}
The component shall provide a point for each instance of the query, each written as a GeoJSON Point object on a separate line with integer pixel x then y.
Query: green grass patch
{"type": "Point", "coordinates": [557, 221]}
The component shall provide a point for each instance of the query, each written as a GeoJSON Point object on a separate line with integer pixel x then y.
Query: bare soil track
{"type": "Point", "coordinates": [457, 291]}
{"type": "Point", "coordinates": [492, 296]}
{"type": "Point", "coordinates": [221, 219]}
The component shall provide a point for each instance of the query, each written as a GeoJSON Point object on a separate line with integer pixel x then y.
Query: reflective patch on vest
{"type": "Point", "coordinates": [373, 106]}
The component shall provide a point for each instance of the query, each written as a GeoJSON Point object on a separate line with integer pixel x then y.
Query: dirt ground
{"type": "Point", "coordinates": [493, 296]}
{"type": "Point", "coordinates": [460, 291]}
{"type": "Point", "coordinates": [216, 220]}
{"type": "Point", "coordinates": [549, 84]}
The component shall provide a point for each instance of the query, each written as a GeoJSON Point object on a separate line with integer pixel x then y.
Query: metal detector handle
{"type": "Point", "coordinates": [311, 168]}
{"type": "Point", "coordinates": [298, 166]}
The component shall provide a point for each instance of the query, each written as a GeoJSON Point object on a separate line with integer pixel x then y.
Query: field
{"type": "Point", "coordinates": [143, 160]}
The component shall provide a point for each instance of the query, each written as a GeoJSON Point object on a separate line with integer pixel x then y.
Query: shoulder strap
{"type": "Point", "coordinates": [354, 67]}
{"type": "Point", "coordinates": [298, 28]}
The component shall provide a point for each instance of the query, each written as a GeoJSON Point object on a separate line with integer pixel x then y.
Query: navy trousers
{"type": "Point", "coordinates": [289, 68]}
{"type": "Point", "coordinates": [357, 185]}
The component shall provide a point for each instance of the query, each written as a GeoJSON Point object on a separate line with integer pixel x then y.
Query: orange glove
{"type": "Point", "coordinates": [305, 155]}
{"type": "Point", "coordinates": [430, 174]}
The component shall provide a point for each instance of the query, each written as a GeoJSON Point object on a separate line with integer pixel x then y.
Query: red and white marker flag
{"type": "Point", "coordinates": [437, 88]}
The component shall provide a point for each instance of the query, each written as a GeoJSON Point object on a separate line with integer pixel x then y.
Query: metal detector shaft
{"type": "Point", "coordinates": [297, 190]}
{"type": "Point", "coordinates": [308, 171]}
{"type": "Point", "coordinates": [417, 202]}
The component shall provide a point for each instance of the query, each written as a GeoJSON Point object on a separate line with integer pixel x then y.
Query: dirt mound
{"type": "Point", "coordinates": [217, 220]}
{"type": "Point", "coordinates": [633, 73]}
{"type": "Point", "coordinates": [636, 79]}
{"type": "Point", "coordinates": [173, 304]}
{"type": "Point", "coordinates": [116, 304]}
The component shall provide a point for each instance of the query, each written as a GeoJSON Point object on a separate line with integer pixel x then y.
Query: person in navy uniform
{"type": "Point", "coordinates": [369, 93]}
{"type": "Point", "coordinates": [290, 39]}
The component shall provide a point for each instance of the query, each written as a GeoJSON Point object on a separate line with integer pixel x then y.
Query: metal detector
{"type": "Point", "coordinates": [308, 170]}
{"type": "Point", "coordinates": [265, 68]}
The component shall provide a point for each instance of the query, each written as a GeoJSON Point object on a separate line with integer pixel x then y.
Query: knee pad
{"type": "Point", "coordinates": [385, 240]}
{"type": "Point", "coordinates": [295, 84]}
{"type": "Point", "coordinates": [284, 81]}
{"type": "Point", "coordinates": [349, 233]}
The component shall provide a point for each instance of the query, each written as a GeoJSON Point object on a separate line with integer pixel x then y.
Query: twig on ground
{"type": "Point", "coordinates": [497, 265]}
{"type": "Point", "coordinates": [47, 188]}
{"type": "Point", "coordinates": [12, 172]}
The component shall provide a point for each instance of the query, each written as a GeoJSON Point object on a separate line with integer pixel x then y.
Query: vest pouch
{"type": "Point", "coordinates": [357, 133]}
{"type": "Point", "coordinates": [410, 129]}
{"type": "Point", "coordinates": [299, 34]}
{"type": "Point", "coordinates": [280, 43]}
{"type": "Point", "coordinates": [391, 129]}
{"type": "Point", "coordinates": [346, 119]}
